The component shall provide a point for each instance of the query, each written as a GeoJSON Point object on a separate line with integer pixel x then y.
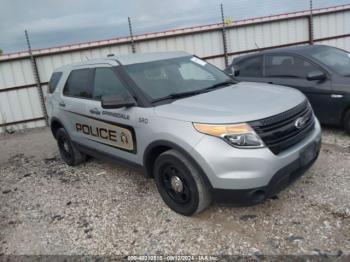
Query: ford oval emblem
{"type": "Point", "coordinates": [300, 122]}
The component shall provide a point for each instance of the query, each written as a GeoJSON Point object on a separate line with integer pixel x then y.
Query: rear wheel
{"type": "Point", "coordinates": [68, 152]}
{"type": "Point", "coordinates": [346, 122]}
{"type": "Point", "coordinates": [180, 184]}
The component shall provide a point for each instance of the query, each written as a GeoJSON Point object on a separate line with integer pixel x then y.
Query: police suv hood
{"type": "Point", "coordinates": [242, 102]}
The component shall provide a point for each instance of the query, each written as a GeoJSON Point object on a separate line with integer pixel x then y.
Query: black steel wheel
{"type": "Point", "coordinates": [68, 152]}
{"type": "Point", "coordinates": [180, 184]}
{"type": "Point", "coordinates": [63, 145]}
{"type": "Point", "coordinates": [175, 184]}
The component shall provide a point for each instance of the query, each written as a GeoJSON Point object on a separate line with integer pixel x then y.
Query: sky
{"type": "Point", "coordinates": [59, 22]}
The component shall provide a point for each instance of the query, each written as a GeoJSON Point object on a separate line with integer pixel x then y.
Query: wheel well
{"type": "Point", "coordinates": [55, 125]}
{"type": "Point", "coordinates": [152, 156]}
{"type": "Point", "coordinates": [157, 148]}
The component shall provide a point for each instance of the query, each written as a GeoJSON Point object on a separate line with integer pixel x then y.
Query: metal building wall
{"type": "Point", "coordinates": [19, 100]}
{"type": "Point", "coordinates": [268, 34]}
{"type": "Point", "coordinates": [334, 24]}
{"type": "Point", "coordinates": [19, 104]}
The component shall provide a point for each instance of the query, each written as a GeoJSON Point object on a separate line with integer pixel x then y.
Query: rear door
{"type": "Point", "coordinates": [72, 105]}
{"type": "Point", "coordinates": [291, 70]}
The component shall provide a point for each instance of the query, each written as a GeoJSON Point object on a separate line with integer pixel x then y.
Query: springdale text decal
{"type": "Point", "coordinates": [95, 111]}
{"type": "Point", "coordinates": [117, 115]}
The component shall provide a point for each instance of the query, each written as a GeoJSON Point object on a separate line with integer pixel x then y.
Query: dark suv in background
{"type": "Point", "coordinates": [321, 72]}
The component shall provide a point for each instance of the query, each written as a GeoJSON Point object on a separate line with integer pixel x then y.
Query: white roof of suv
{"type": "Point", "coordinates": [147, 57]}
{"type": "Point", "coordinates": [129, 59]}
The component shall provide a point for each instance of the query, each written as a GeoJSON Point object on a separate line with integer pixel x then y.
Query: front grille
{"type": "Point", "coordinates": [279, 132]}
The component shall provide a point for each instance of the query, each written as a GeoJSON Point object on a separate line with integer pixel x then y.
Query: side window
{"type": "Point", "coordinates": [79, 83]}
{"type": "Point", "coordinates": [287, 66]}
{"type": "Point", "coordinates": [251, 67]}
{"type": "Point", "coordinates": [55, 78]}
{"type": "Point", "coordinates": [107, 83]}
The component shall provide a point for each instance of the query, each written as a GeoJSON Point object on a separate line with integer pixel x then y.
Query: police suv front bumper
{"type": "Point", "coordinates": [248, 176]}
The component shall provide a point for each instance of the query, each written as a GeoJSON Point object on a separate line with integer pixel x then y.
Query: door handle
{"type": "Point", "coordinates": [62, 104]}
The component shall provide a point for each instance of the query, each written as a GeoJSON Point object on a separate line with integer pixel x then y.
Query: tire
{"type": "Point", "coordinates": [68, 152]}
{"type": "Point", "coordinates": [346, 122]}
{"type": "Point", "coordinates": [180, 184]}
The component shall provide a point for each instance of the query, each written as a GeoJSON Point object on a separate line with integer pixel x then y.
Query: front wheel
{"type": "Point", "coordinates": [68, 152]}
{"type": "Point", "coordinates": [180, 184]}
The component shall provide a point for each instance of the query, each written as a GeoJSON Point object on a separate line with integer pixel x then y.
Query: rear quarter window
{"type": "Point", "coordinates": [55, 78]}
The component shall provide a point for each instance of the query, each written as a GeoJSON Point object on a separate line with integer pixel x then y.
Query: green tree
{"type": "Point", "coordinates": [0, 51]}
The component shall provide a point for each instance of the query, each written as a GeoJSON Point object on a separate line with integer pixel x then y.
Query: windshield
{"type": "Point", "coordinates": [336, 59]}
{"type": "Point", "coordinates": [163, 78]}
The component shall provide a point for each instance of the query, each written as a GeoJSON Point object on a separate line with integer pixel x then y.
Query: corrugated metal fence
{"type": "Point", "coordinates": [20, 105]}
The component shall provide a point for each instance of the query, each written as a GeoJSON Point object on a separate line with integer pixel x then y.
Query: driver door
{"type": "Point", "coordinates": [112, 129]}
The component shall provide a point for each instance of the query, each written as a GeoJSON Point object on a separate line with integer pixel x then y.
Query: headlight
{"type": "Point", "coordinates": [237, 135]}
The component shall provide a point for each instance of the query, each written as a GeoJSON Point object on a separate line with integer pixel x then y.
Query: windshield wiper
{"type": "Point", "coordinates": [221, 84]}
{"type": "Point", "coordinates": [194, 92]}
{"type": "Point", "coordinates": [177, 95]}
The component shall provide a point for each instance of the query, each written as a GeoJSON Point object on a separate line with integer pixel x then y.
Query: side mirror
{"type": "Point", "coordinates": [316, 75]}
{"type": "Point", "coordinates": [112, 102]}
{"type": "Point", "coordinates": [233, 70]}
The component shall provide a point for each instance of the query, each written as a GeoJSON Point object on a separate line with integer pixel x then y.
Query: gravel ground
{"type": "Point", "coordinates": [98, 208]}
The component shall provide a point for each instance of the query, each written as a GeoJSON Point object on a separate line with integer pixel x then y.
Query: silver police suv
{"type": "Point", "coordinates": [200, 135]}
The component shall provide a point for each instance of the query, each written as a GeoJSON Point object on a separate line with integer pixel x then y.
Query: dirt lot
{"type": "Point", "coordinates": [103, 209]}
